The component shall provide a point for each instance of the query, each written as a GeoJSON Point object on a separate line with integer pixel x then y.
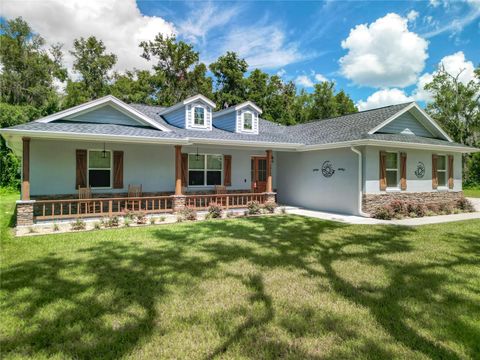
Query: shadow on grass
{"type": "Point", "coordinates": [102, 300]}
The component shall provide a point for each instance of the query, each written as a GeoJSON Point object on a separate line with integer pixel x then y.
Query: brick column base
{"type": "Point", "coordinates": [270, 197]}
{"type": "Point", "coordinates": [178, 202]}
{"type": "Point", "coordinates": [25, 212]}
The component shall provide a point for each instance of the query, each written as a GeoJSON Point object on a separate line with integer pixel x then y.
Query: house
{"type": "Point", "coordinates": [182, 155]}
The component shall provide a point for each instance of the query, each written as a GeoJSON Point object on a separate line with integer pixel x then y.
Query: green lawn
{"type": "Point", "coordinates": [271, 287]}
{"type": "Point", "coordinates": [472, 191]}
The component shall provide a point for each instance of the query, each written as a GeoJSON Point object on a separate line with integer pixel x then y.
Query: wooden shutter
{"type": "Point", "coordinates": [81, 169]}
{"type": "Point", "coordinates": [227, 170]}
{"type": "Point", "coordinates": [450, 171]}
{"type": "Point", "coordinates": [383, 171]}
{"type": "Point", "coordinates": [184, 169]}
{"type": "Point", "coordinates": [118, 169]}
{"type": "Point", "coordinates": [434, 172]}
{"type": "Point", "coordinates": [403, 171]}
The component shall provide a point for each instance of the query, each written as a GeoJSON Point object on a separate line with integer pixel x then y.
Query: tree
{"type": "Point", "coordinates": [345, 104]}
{"type": "Point", "coordinates": [230, 85]}
{"type": "Point", "coordinates": [28, 71]}
{"type": "Point", "coordinates": [456, 106]}
{"type": "Point", "coordinates": [324, 104]}
{"type": "Point", "coordinates": [93, 65]}
{"type": "Point", "coordinates": [135, 86]}
{"type": "Point", "coordinates": [178, 73]}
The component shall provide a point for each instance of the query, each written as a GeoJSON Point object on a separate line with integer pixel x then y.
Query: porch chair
{"type": "Point", "coordinates": [85, 193]}
{"type": "Point", "coordinates": [134, 191]}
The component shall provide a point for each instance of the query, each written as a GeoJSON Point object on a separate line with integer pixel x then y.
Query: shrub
{"type": "Point", "coordinates": [283, 210]}
{"type": "Point", "coordinates": [254, 208]}
{"type": "Point", "coordinates": [127, 222]}
{"type": "Point", "coordinates": [78, 224]}
{"type": "Point", "coordinates": [112, 221]}
{"type": "Point", "coordinates": [445, 208]}
{"type": "Point", "coordinates": [187, 213]}
{"type": "Point", "coordinates": [140, 218]}
{"type": "Point", "coordinates": [161, 218]}
{"type": "Point", "coordinates": [398, 207]}
{"type": "Point", "coordinates": [384, 213]}
{"type": "Point", "coordinates": [230, 214]}
{"type": "Point", "coordinates": [55, 227]}
{"type": "Point", "coordinates": [214, 211]}
{"type": "Point", "coordinates": [97, 225]}
{"type": "Point", "coordinates": [420, 210]}
{"type": "Point", "coordinates": [270, 207]}
{"type": "Point", "coordinates": [152, 221]}
{"type": "Point", "coordinates": [465, 205]}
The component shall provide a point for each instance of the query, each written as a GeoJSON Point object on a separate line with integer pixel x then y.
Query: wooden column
{"type": "Point", "coordinates": [178, 170]}
{"type": "Point", "coordinates": [26, 169]}
{"type": "Point", "coordinates": [269, 171]}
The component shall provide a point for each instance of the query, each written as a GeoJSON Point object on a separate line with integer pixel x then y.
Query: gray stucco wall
{"type": "Point", "coordinates": [414, 184]}
{"type": "Point", "coordinates": [298, 184]}
{"type": "Point", "coordinates": [53, 166]}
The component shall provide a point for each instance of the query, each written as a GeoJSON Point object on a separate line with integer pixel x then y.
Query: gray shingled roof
{"type": "Point", "coordinates": [339, 129]}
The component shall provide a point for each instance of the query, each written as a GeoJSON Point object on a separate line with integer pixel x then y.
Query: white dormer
{"type": "Point", "coordinates": [194, 113]}
{"type": "Point", "coordinates": [242, 118]}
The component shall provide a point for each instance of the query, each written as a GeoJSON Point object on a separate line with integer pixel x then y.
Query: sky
{"type": "Point", "coordinates": [379, 52]}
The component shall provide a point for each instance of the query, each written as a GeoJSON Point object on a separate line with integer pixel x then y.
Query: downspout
{"type": "Point", "coordinates": [360, 190]}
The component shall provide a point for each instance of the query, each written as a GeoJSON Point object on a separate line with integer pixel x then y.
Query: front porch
{"type": "Point", "coordinates": [236, 191]}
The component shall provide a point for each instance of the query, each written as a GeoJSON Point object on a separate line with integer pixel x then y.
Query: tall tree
{"type": "Point", "coordinates": [136, 86]}
{"type": "Point", "coordinates": [178, 73]}
{"type": "Point", "coordinates": [28, 71]}
{"type": "Point", "coordinates": [345, 104]}
{"type": "Point", "coordinates": [324, 104]}
{"type": "Point", "coordinates": [94, 65]}
{"type": "Point", "coordinates": [230, 85]}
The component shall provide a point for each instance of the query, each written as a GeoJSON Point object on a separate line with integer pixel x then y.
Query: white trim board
{"type": "Point", "coordinates": [104, 101]}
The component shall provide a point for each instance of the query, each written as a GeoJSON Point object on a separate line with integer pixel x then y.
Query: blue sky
{"type": "Point", "coordinates": [379, 52]}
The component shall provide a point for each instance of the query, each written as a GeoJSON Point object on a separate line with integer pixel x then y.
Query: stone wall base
{"type": "Point", "coordinates": [178, 203]}
{"type": "Point", "coordinates": [270, 198]}
{"type": "Point", "coordinates": [25, 212]}
{"type": "Point", "coordinates": [371, 202]}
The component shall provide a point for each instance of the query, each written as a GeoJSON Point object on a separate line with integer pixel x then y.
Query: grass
{"type": "Point", "coordinates": [258, 288]}
{"type": "Point", "coordinates": [472, 191]}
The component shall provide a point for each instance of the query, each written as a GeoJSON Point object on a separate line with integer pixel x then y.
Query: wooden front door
{"type": "Point", "coordinates": [259, 174]}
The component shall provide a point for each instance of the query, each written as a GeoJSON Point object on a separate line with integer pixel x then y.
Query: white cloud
{"type": "Point", "coordinates": [320, 78]}
{"type": "Point", "coordinates": [412, 15]}
{"type": "Point", "coordinates": [281, 72]}
{"type": "Point", "coordinates": [434, 3]}
{"type": "Point", "coordinates": [118, 23]}
{"type": "Point", "coordinates": [304, 81]}
{"type": "Point", "coordinates": [384, 97]}
{"type": "Point", "coordinates": [454, 64]}
{"type": "Point", "coordinates": [384, 53]}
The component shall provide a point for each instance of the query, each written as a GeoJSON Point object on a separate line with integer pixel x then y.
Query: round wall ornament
{"type": "Point", "coordinates": [327, 169]}
{"type": "Point", "coordinates": [420, 172]}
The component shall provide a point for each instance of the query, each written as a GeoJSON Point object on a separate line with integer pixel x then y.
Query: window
{"type": "Point", "coordinates": [442, 170]}
{"type": "Point", "coordinates": [391, 168]}
{"type": "Point", "coordinates": [99, 169]}
{"type": "Point", "coordinates": [205, 169]}
{"type": "Point", "coordinates": [199, 116]}
{"type": "Point", "coordinates": [247, 121]}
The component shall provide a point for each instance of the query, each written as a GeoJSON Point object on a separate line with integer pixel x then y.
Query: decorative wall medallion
{"type": "Point", "coordinates": [327, 169]}
{"type": "Point", "coordinates": [341, 169]}
{"type": "Point", "coordinates": [420, 172]}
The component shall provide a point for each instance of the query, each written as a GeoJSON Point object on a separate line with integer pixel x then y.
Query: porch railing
{"type": "Point", "coordinates": [97, 207]}
{"type": "Point", "coordinates": [225, 201]}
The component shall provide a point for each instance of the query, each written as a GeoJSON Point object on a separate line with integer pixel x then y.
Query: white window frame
{"type": "Point", "coordinates": [205, 110]}
{"type": "Point", "coordinates": [443, 187]}
{"type": "Point", "coordinates": [205, 170]}
{"type": "Point", "coordinates": [88, 169]}
{"type": "Point", "coordinates": [243, 121]}
{"type": "Point", "coordinates": [397, 186]}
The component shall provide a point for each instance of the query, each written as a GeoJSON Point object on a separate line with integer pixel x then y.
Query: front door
{"type": "Point", "coordinates": [259, 174]}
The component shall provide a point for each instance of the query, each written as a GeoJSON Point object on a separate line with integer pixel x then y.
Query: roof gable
{"type": "Point", "coordinates": [406, 123]}
{"type": "Point", "coordinates": [126, 110]}
{"type": "Point", "coordinates": [105, 114]}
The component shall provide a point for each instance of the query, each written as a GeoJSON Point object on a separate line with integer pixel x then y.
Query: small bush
{"type": "Point", "coordinates": [31, 230]}
{"type": "Point", "coordinates": [399, 207]}
{"type": "Point", "coordinates": [445, 208]}
{"type": "Point", "coordinates": [153, 221]}
{"type": "Point", "coordinates": [283, 210]}
{"type": "Point", "coordinates": [112, 221]}
{"type": "Point", "coordinates": [214, 211]}
{"type": "Point", "coordinates": [140, 218]}
{"type": "Point", "coordinates": [55, 227]}
{"type": "Point", "coordinates": [230, 214]}
{"type": "Point", "coordinates": [420, 210]}
{"type": "Point", "coordinates": [270, 207]}
{"type": "Point", "coordinates": [161, 218]}
{"type": "Point", "coordinates": [465, 205]}
{"type": "Point", "coordinates": [97, 225]}
{"type": "Point", "coordinates": [187, 213]}
{"type": "Point", "coordinates": [127, 222]}
{"type": "Point", "coordinates": [78, 224]}
{"type": "Point", "coordinates": [384, 213]}
{"type": "Point", "coordinates": [254, 208]}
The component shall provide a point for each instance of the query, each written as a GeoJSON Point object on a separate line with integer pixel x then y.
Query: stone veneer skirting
{"type": "Point", "coordinates": [371, 202]}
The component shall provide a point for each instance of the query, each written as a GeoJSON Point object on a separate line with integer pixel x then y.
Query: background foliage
{"type": "Point", "coordinates": [34, 83]}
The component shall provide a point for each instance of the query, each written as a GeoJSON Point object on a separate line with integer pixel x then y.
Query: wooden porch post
{"type": "Point", "coordinates": [269, 171]}
{"type": "Point", "coordinates": [26, 169]}
{"type": "Point", "coordinates": [178, 170]}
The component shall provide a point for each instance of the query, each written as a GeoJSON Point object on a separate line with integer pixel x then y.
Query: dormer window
{"type": "Point", "coordinates": [247, 121]}
{"type": "Point", "coordinates": [199, 116]}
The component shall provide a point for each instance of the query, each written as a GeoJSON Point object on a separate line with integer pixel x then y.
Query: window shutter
{"type": "Point", "coordinates": [227, 170]}
{"type": "Point", "coordinates": [403, 171]}
{"type": "Point", "coordinates": [383, 171]}
{"type": "Point", "coordinates": [184, 169]}
{"type": "Point", "coordinates": [81, 169]}
{"type": "Point", "coordinates": [434, 172]}
{"type": "Point", "coordinates": [450, 171]}
{"type": "Point", "coordinates": [118, 169]}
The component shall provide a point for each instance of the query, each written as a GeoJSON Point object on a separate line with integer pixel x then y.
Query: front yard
{"type": "Point", "coordinates": [271, 287]}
